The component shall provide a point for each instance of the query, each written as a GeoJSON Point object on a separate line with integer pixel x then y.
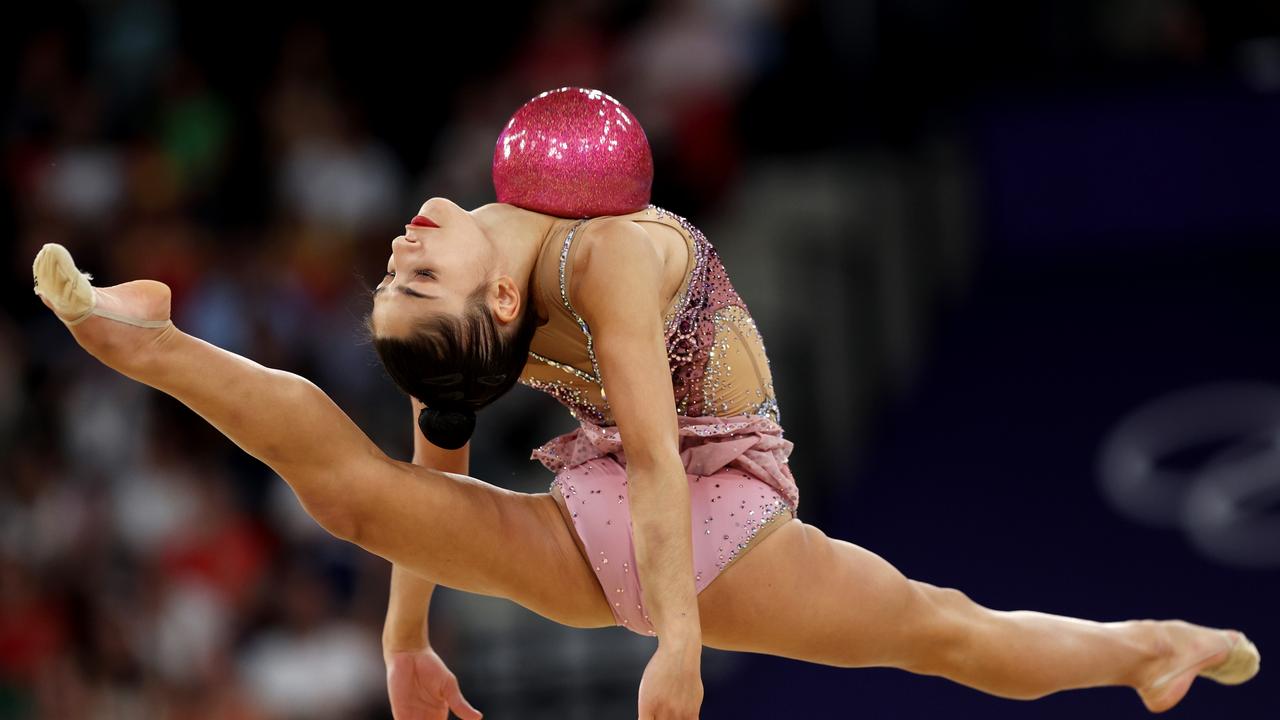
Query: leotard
{"type": "Point", "coordinates": [731, 444]}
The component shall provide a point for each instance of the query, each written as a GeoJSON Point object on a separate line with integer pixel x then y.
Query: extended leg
{"type": "Point", "coordinates": [803, 595]}
{"type": "Point", "coordinates": [453, 529]}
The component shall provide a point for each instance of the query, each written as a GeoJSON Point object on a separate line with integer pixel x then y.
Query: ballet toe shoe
{"type": "Point", "coordinates": [69, 291]}
{"type": "Point", "coordinates": [1242, 662]}
{"type": "Point", "coordinates": [66, 288]}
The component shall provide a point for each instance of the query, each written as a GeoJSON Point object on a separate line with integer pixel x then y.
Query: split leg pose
{"type": "Point", "coordinates": [462, 533]}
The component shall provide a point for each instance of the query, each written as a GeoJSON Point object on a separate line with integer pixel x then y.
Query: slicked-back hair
{"type": "Point", "coordinates": [458, 362]}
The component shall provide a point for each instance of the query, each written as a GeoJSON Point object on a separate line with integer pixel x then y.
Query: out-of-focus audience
{"type": "Point", "coordinates": [149, 570]}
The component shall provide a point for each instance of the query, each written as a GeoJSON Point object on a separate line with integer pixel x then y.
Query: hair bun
{"type": "Point", "coordinates": [448, 429]}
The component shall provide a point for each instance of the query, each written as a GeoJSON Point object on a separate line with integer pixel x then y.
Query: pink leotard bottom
{"type": "Point", "coordinates": [738, 482]}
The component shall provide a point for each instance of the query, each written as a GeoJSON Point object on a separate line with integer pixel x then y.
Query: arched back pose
{"type": "Point", "coordinates": [672, 511]}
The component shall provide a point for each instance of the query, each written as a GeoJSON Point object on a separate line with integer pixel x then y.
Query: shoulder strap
{"type": "Point", "coordinates": [564, 295]}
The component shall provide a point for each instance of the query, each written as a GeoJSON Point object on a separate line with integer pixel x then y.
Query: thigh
{"type": "Point", "coordinates": [803, 595]}
{"type": "Point", "coordinates": [469, 535]}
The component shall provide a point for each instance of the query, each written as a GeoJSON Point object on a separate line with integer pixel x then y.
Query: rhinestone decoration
{"type": "Point", "coordinates": [709, 329]}
{"type": "Point", "coordinates": [606, 534]}
{"type": "Point", "coordinates": [730, 440]}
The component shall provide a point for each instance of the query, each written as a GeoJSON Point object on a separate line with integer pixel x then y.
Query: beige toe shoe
{"type": "Point", "coordinates": [69, 292]}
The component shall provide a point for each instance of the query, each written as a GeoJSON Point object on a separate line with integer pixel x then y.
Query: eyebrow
{"type": "Point", "coordinates": [410, 292]}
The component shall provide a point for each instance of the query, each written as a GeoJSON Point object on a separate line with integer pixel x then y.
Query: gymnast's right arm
{"type": "Point", "coordinates": [417, 678]}
{"type": "Point", "coordinates": [406, 624]}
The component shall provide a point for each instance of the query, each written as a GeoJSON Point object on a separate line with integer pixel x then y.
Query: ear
{"type": "Point", "coordinates": [505, 300]}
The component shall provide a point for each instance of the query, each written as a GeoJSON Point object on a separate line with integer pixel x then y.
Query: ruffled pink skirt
{"type": "Point", "coordinates": [738, 481]}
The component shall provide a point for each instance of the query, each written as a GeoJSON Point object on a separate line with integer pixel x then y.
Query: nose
{"type": "Point", "coordinates": [404, 250]}
{"type": "Point", "coordinates": [403, 246]}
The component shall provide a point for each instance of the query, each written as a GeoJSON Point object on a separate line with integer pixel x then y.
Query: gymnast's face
{"type": "Point", "coordinates": [434, 267]}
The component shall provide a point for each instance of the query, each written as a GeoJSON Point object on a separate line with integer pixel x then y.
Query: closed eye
{"type": "Point", "coordinates": [423, 272]}
{"type": "Point", "coordinates": [407, 291]}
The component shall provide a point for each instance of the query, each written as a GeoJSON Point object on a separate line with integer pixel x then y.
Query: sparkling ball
{"type": "Point", "coordinates": [571, 153]}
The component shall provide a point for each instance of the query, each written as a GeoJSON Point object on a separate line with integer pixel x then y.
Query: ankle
{"type": "Point", "coordinates": [1152, 648]}
{"type": "Point", "coordinates": [146, 361]}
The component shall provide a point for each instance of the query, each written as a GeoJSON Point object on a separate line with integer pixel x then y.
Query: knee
{"type": "Point", "coordinates": [943, 599]}
{"type": "Point", "coordinates": [334, 512]}
{"type": "Point", "coordinates": [945, 628]}
{"type": "Point", "coordinates": [340, 497]}
{"type": "Point", "coordinates": [331, 496]}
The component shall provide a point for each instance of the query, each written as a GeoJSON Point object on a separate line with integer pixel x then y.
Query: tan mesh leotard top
{"type": "Point", "coordinates": [717, 358]}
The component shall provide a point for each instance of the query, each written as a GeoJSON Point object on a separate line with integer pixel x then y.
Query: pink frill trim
{"type": "Point", "coordinates": [750, 443]}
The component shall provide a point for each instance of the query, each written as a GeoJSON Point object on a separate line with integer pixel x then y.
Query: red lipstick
{"type": "Point", "coordinates": [422, 221]}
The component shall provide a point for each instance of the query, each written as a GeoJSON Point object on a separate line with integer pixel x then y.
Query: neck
{"type": "Point", "coordinates": [520, 235]}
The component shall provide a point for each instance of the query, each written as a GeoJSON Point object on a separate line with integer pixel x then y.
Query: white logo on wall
{"type": "Point", "coordinates": [1206, 460]}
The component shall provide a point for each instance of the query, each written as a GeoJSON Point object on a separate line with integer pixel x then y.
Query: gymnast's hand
{"type": "Point", "coordinates": [671, 688]}
{"type": "Point", "coordinates": [422, 688]}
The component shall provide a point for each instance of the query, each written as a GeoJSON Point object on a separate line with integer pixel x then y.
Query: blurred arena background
{"type": "Point", "coordinates": [1017, 265]}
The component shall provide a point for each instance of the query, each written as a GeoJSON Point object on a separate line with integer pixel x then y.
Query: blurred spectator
{"type": "Point", "coordinates": [311, 665]}
{"type": "Point", "coordinates": [332, 175]}
{"type": "Point", "coordinates": [194, 127]}
{"type": "Point", "coordinates": [83, 178]}
{"type": "Point", "coordinates": [42, 514]}
{"type": "Point", "coordinates": [682, 70]}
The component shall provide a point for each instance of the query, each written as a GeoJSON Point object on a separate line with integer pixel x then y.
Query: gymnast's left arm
{"type": "Point", "coordinates": [616, 283]}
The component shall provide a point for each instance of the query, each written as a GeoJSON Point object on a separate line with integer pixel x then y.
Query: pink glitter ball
{"type": "Point", "coordinates": [573, 152]}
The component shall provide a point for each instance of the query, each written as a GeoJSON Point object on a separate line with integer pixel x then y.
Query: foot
{"type": "Point", "coordinates": [1186, 651]}
{"type": "Point", "coordinates": [111, 323]}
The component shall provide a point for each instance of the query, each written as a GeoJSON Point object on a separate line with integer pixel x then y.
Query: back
{"type": "Point", "coordinates": [717, 358]}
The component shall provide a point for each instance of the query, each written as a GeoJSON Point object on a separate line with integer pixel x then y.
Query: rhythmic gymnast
{"type": "Point", "coordinates": [672, 512]}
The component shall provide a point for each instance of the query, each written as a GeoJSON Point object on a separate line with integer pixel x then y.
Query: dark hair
{"type": "Point", "coordinates": [455, 365]}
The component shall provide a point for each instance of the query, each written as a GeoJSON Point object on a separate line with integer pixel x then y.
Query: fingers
{"type": "Point", "coordinates": [459, 704]}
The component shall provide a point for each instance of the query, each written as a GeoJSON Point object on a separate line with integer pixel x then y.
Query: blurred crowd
{"type": "Point", "coordinates": [147, 569]}
{"type": "Point", "coordinates": [150, 569]}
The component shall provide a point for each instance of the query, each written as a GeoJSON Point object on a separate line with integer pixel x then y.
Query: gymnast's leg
{"type": "Point", "coordinates": [452, 529]}
{"type": "Point", "coordinates": [803, 595]}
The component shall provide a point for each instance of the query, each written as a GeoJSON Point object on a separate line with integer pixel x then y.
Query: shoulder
{"type": "Point", "coordinates": [612, 244]}
{"type": "Point", "coordinates": [615, 262]}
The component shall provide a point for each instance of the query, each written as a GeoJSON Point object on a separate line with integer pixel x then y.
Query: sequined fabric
{"type": "Point", "coordinates": [731, 444]}
{"type": "Point", "coordinates": [749, 443]}
{"type": "Point", "coordinates": [728, 509]}
{"type": "Point", "coordinates": [714, 350]}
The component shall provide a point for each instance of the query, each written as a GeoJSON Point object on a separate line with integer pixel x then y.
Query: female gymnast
{"type": "Point", "coordinates": [672, 512]}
